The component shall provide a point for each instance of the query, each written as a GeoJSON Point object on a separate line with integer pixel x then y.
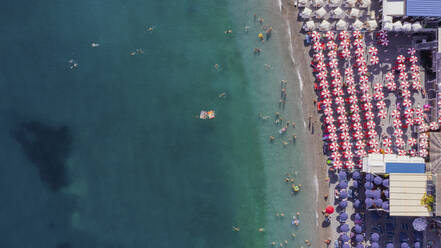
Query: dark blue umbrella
{"type": "Point", "coordinates": [368, 185]}
{"type": "Point", "coordinates": [344, 237]}
{"type": "Point", "coordinates": [355, 184]}
{"type": "Point", "coordinates": [358, 229]}
{"type": "Point", "coordinates": [343, 217]}
{"type": "Point", "coordinates": [356, 175]}
{"type": "Point", "coordinates": [343, 184]}
{"type": "Point", "coordinates": [386, 183]}
{"type": "Point", "coordinates": [346, 246]}
{"type": "Point", "coordinates": [375, 237]}
{"type": "Point", "coordinates": [359, 238]}
{"type": "Point", "coordinates": [378, 202]}
{"type": "Point", "coordinates": [359, 246]}
{"type": "Point", "coordinates": [404, 245]}
{"type": "Point", "coordinates": [386, 193]}
{"type": "Point", "coordinates": [390, 245]}
{"type": "Point", "coordinates": [378, 180]}
{"type": "Point", "coordinates": [385, 205]}
{"type": "Point", "coordinates": [368, 202]}
{"type": "Point", "coordinates": [344, 228]}
{"type": "Point", "coordinates": [369, 193]}
{"type": "Point", "coordinates": [342, 175]}
{"type": "Point", "coordinates": [357, 216]}
{"type": "Point", "coordinates": [343, 204]}
{"type": "Point", "coordinates": [375, 245]}
{"type": "Point", "coordinates": [417, 245]}
{"type": "Point", "coordinates": [356, 203]}
{"type": "Point", "coordinates": [343, 194]}
{"type": "Point", "coordinates": [369, 177]}
{"type": "Point", "coordinates": [376, 194]}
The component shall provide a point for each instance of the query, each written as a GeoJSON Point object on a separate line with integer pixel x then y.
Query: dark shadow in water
{"type": "Point", "coordinates": [47, 148]}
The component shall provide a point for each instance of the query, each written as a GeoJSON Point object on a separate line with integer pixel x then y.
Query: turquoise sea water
{"type": "Point", "coordinates": [110, 154]}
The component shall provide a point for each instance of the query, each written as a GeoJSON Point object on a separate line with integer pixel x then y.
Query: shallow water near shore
{"type": "Point", "coordinates": [110, 154]}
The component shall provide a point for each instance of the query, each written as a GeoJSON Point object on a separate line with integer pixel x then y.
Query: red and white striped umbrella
{"type": "Point", "coordinates": [423, 153]}
{"type": "Point", "coordinates": [407, 102]}
{"type": "Point", "coordinates": [392, 86]}
{"type": "Point", "coordinates": [382, 33]}
{"type": "Point", "coordinates": [405, 93]}
{"type": "Point", "coordinates": [358, 43]}
{"type": "Point", "coordinates": [424, 127]}
{"type": "Point", "coordinates": [416, 85]}
{"type": "Point", "coordinates": [424, 135]}
{"type": "Point", "coordinates": [409, 121]}
{"type": "Point", "coordinates": [398, 132]}
{"type": "Point", "coordinates": [328, 111]}
{"type": "Point", "coordinates": [374, 60]}
{"type": "Point", "coordinates": [357, 126]}
{"type": "Point", "coordinates": [331, 45]}
{"type": "Point", "coordinates": [411, 141]}
{"type": "Point", "coordinates": [361, 153]}
{"type": "Point", "coordinates": [397, 123]}
{"type": "Point", "coordinates": [356, 118]}
{"type": "Point", "coordinates": [360, 144]}
{"type": "Point", "coordinates": [381, 105]}
{"type": "Point", "coordinates": [335, 73]}
{"type": "Point", "coordinates": [366, 97]}
{"type": "Point", "coordinates": [345, 53]}
{"type": "Point", "coordinates": [403, 76]}
{"type": "Point", "coordinates": [342, 119]}
{"type": "Point", "coordinates": [336, 155]}
{"type": "Point", "coordinates": [401, 59]}
{"type": "Point", "coordinates": [333, 137]}
{"type": "Point", "coordinates": [343, 35]}
{"type": "Point", "coordinates": [359, 52]}
{"type": "Point", "coordinates": [379, 96]}
{"type": "Point", "coordinates": [364, 79]}
{"type": "Point", "coordinates": [336, 82]}
{"type": "Point", "coordinates": [344, 127]}
{"type": "Point", "coordinates": [364, 88]}
{"type": "Point", "coordinates": [370, 124]}
{"type": "Point", "coordinates": [318, 47]}
{"type": "Point", "coordinates": [362, 70]}
{"type": "Point", "coordinates": [327, 103]}
{"type": "Point", "coordinates": [401, 67]}
{"type": "Point", "coordinates": [408, 112]}
{"type": "Point", "coordinates": [388, 151]}
{"type": "Point", "coordinates": [415, 75]}
{"type": "Point", "coordinates": [439, 102]}
{"type": "Point", "coordinates": [369, 115]}
{"type": "Point", "coordinates": [372, 143]}
{"type": "Point", "coordinates": [344, 136]}
{"type": "Point", "coordinates": [384, 42]}
{"type": "Point", "coordinates": [340, 101]}
{"type": "Point", "coordinates": [333, 64]}
{"type": "Point", "coordinates": [321, 66]}
{"type": "Point", "coordinates": [323, 84]}
{"type": "Point", "coordinates": [419, 111]}
{"type": "Point", "coordinates": [348, 154]}
{"type": "Point", "coordinates": [358, 135]}
{"type": "Point", "coordinates": [337, 164]}
{"type": "Point", "coordinates": [349, 72]}
{"type": "Point", "coordinates": [349, 164]}
{"type": "Point", "coordinates": [345, 43]}
{"type": "Point", "coordinates": [411, 51]}
{"type": "Point", "coordinates": [367, 106]}
{"type": "Point", "coordinates": [434, 125]}
{"type": "Point", "coordinates": [333, 146]}
{"type": "Point", "coordinates": [371, 134]}
{"type": "Point", "coordinates": [322, 75]}
{"type": "Point", "coordinates": [423, 143]}
{"type": "Point", "coordinates": [382, 114]}
{"type": "Point", "coordinates": [349, 80]}
{"type": "Point", "coordinates": [325, 93]}
{"type": "Point", "coordinates": [332, 54]}
{"type": "Point", "coordinates": [337, 91]}
{"type": "Point", "coordinates": [413, 152]}
{"type": "Point", "coordinates": [353, 99]}
{"type": "Point", "coordinates": [419, 120]}
{"type": "Point", "coordinates": [351, 90]}
{"type": "Point", "coordinates": [413, 59]}
{"type": "Point", "coordinates": [319, 56]}
{"type": "Point", "coordinates": [360, 61]}
{"type": "Point", "coordinates": [404, 84]}
{"type": "Point", "coordinates": [387, 142]}
{"type": "Point", "coordinates": [414, 68]}
{"type": "Point", "coordinates": [341, 110]}
{"type": "Point", "coordinates": [390, 76]}
{"type": "Point", "coordinates": [331, 128]}
{"type": "Point", "coordinates": [395, 114]}
{"type": "Point", "coordinates": [315, 36]}
{"type": "Point", "coordinates": [346, 145]}
{"type": "Point", "coordinates": [399, 142]}
{"type": "Point", "coordinates": [373, 51]}
{"type": "Point", "coordinates": [402, 152]}
{"type": "Point", "coordinates": [329, 119]}
{"type": "Point", "coordinates": [330, 35]}
{"type": "Point", "coordinates": [356, 34]}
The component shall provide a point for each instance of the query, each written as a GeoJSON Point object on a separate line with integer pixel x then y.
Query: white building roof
{"type": "Point", "coordinates": [393, 8]}
{"type": "Point", "coordinates": [377, 163]}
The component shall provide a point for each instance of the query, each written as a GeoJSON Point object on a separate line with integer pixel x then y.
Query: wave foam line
{"type": "Point", "coordinates": [280, 5]}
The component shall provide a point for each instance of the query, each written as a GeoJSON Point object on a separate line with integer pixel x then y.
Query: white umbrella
{"type": "Point", "coordinates": [372, 24]}
{"type": "Point", "coordinates": [338, 13]}
{"type": "Point", "coordinates": [325, 26]}
{"type": "Point", "coordinates": [334, 3]}
{"type": "Point", "coordinates": [320, 13]}
{"type": "Point", "coordinates": [397, 26]}
{"type": "Point", "coordinates": [387, 19]}
{"type": "Point", "coordinates": [306, 13]}
{"type": "Point", "coordinates": [357, 25]}
{"type": "Point", "coordinates": [350, 3]}
{"type": "Point", "coordinates": [417, 26]}
{"type": "Point", "coordinates": [388, 26]}
{"type": "Point", "coordinates": [419, 224]}
{"type": "Point", "coordinates": [354, 13]}
{"type": "Point", "coordinates": [302, 3]}
{"type": "Point", "coordinates": [309, 25]}
{"type": "Point", "coordinates": [341, 25]}
{"type": "Point", "coordinates": [406, 27]}
{"type": "Point", "coordinates": [318, 3]}
{"type": "Point", "coordinates": [365, 3]}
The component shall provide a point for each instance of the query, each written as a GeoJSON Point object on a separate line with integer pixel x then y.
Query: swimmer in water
{"type": "Point", "coordinates": [236, 229]}
{"type": "Point", "coordinates": [217, 67]}
{"type": "Point", "coordinates": [95, 44]}
{"type": "Point", "coordinates": [272, 139]}
{"type": "Point", "coordinates": [150, 28]}
{"type": "Point", "coordinates": [246, 29]}
{"type": "Point", "coordinates": [222, 95]}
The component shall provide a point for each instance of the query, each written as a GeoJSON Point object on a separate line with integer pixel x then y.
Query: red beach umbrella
{"type": "Point", "coordinates": [416, 85]}
{"type": "Point", "coordinates": [341, 110]}
{"type": "Point", "coordinates": [434, 126]}
{"type": "Point", "coordinates": [413, 152]}
{"type": "Point", "coordinates": [351, 90]}
{"type": "Point", "coordinates": [390, 76]}
{"type": "Point", "coordinates": [333, 64]}
{"type": "Point", "coordinates": [382, 114]}
{"type": "Point", "coordinates": [340, 101]}
{"type": "Point", "coordinates": [362, 70]}
{"type": "Point", "coordinates": [338, 91]}
{"type": "Point", "coordinates": [411, 51]}
{"type": "Point", "coordinates": [404, 84]}
{"type": "Point", "coordinates": [344, 127]}
{"type": "Point", "coordinates": [332, 54]}
{"type": "Point", "coordinates": [405, 93]}
{"type": "Point", "coordinates": [333, 146]}
{"type": "Point", "coordinates": [413, 59]}
{"type": "Point", "coordinates": [344, 136]}
{"type": "Point", "coordinates": [401, 67]}
{"type": "Point", "coordinates": [323, 84]}
{"type": "Point", "coordinates": [358, 135]}
{"type": "Point", "coordinates": [345, 43]}
{"type": "Point", "coordinates": [387, 142]}
{"type": "Point", "coordinates": [342, 119]}
{"type": "Point", "coordinates": [423, 143]}
{"type": "Point", "coordinates": [349, 72]}
{"type": "Point", "coordinates": [328, 111]}
{"type": "Point", "coordinates": [335, 73]}
{"type": "Point", "coordinates": [414, 68]}
{"type": "Point", "coordinates": [355, 117]}
{"type": "Point", "coordinates": [373, 51]}
{"type": "Point", "coordinates": [329, 119]}
{"type": "Point", "coordinates": [358, 42]}
{"type": "Point", "coordinates": [361, 153]}
{"type": "Point", "coordinates": [415, 75]}
{"type": "Point", "coordinates": [321, 66]}
{"type": "Point", "coordinates": [419, 120]}
{"type": "Point", "coordinates": [370, 125]}
{"type": "Point", "coordinates": [349, 164]}
{"type": "Point", "coordinates": [398, 132]}
{"type": "Point", "coordinates": [343, 35]}
{"type": "Point", "coordinates": [346, 145]}
{"type": "Point", "coordinates": [395, 114]}
{"type": "Point", "coordinates": [408, 113]}
{"type": "Point", "coordinates": [369, 115]}
{"type": "Point", "coordinates": [353, 99]}
{"type": "Point", "coordinates": [372, 133]}
{"type": "Point", "coordinates": [364, 79]}
{"type": "Point", "coordinates": [407, 102]}
{"type": "Point", "coordinates": [381, 105]}
{"type": "Point", "coordinates": [366, 97]}
{"type": "Point", "coordinates": [336, 82]}
{"type": "Point", "coordinates": [360, 61]}
{"type": "Point", "coordinates": [333, 137]}
{"type": "Point", "coordinates": [372, 143]}
{"type": "Point", "coordinates": [359, 52]}
{"type": "Point", "coordinates": [384, 42]}
{"type": "Point", "coordinates": [423, 153]}
{"type": "Point", "coordinates": [391, 86]}
{"type": "Point", "coordinates": [364, 88]}
{"type": "Point", "coordinates": [322, 75]}
{"type": "Point", "coordinates": [402, 152]}
{"type": "Point", "coordinates": [325, 93]}
{"type": "Point", "coordinates": [379, 96]}
{"type": "Point", "coordinates": [349, 80]}
{"type": "Point", "coordinates": [329, 209]}
{"type": "Point", "coordinates": [330, 35]}
{"type": "Point", "coordinates": [319, 56]}
{"type": "Point", "coordinates": [318, 47]}
{"type": "Point", "coordinates": [331, 45]}
{"type": "Point", "coordinates": [409, 121]}
{"type": "Point", "coordinates": [411, 141]}
{"type": "Point", "coordinates": [348, 154]}
{"type": "Point", "coordinates": [357, 34]}
{"type": "Point", "coordinates": [401, 59]}
{"type": "Point", "coordinates": [403, 76]}
{"type": "Point", "coordinates": [388, 151]}
{"type": "Point", "coordinates": [337, 164]}
{"type": "Point", "coordinates": [331, 128]}
{"type": "Point", "coordinates": [397, 123]}
{"type": "Point", "coordinates": [345, 53]}
{"type": "Point", "coordinates": [424, 135]}
{"type": "Point", "coordinates": [419, 111]}
{"type": "Point", "coordinates": [367, 106]}
{"type": "Point", "coordinates": [360, 144]}
{"type": "Point", "coordinates": [399, 142]}
{"type": "Point", "coordinates": [382, 34]}
{"type": "Point", "coordinates": [315, 36]}
{"type": "Point", "coordinates": [374, 60]}
{"type": "Point", "coordinates": [357, 126]}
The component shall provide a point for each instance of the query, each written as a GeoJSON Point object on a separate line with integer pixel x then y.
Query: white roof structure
{"type": "Point", "coordinates": [372, 24]}
{"type": "Point", "coordinates": [417, 27]}
{"type": "Point", "coordinates": [320, 13]}
{"type": "Point", "coordinates": [306, 13]}
{"type": "Point", "coordinates": [365, 3]}
{"type": "Point", "coordinates": [406, 27]}
{"type": "Point", "coordinates": [388, 26]}
{"type": "Point", "coordinates": [325, 26]}
{"type": "Point", "coordinates": [334, 3]}
{"type": "Point", "coordinates": [338, 13]}
{"type": "Point", "coordinates": [393, 8]}
{"type": "Point", "coordinates": [318, 3]}
{"type": "Point", "coordinates": [350, 3]}
{"type": "Point", "coordinates": [341, 25]}
{"type": "Point", "coordinates": [302, 3]}
{"type": "Point", "coordinates": [387, 19]}
{"type": "Point", "coordinates": [357, 25]}
{"type": "Point", "coordinates": [397, 26]}
{"type": "Point", "coordinates": [354, 13]}
{"type": "Point", "coordinates": [309, 25]}
{"type": "Point", "coordinates": [405, 193]}
{"type": "Point", "coordinates": [378, 163]}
